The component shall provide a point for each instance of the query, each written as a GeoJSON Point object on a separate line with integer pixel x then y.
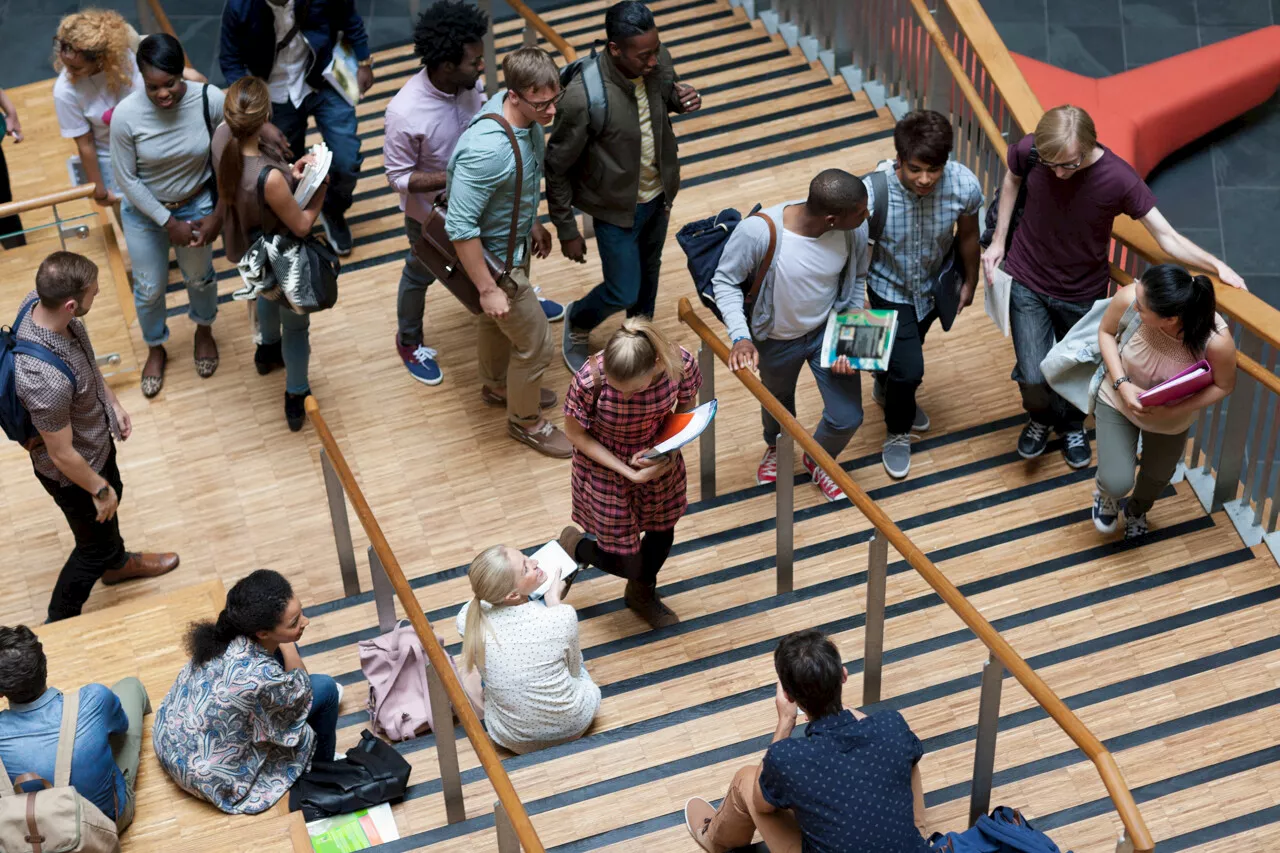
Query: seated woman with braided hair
{"type": "Point", "coordinates": [245, 718]}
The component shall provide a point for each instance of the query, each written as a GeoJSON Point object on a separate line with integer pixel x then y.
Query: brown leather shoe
{"type": "Point", "coordinates": [648, 605]}
{"type": "Point", "coordinates": [546, 397]}
{"type": "Point", "coordinates": [547, 439]}
{"type": "Point", "coordinates": [569, 539]}
{"type": "Point", "coordinates": [141, 566]}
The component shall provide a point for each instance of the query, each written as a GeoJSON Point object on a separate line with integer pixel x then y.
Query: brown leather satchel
{"type": "Point", "coordinates": [437, 252]}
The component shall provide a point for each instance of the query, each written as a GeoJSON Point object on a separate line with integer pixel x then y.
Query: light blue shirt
{"type": "Point", "coordinates": [29, 744]}
{"type": "Point", "coordinates": [481, 182]}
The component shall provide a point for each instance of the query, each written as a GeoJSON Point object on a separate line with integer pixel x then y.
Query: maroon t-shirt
{"type": "Point", "coordinates": [1060, 247]}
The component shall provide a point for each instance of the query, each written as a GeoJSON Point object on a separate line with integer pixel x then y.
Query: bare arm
{"type": "Point", "coordinates": [971, 255]}
{"type": "Point", "coordinates": [426, 182]}
{"type": "Point", "coordinates": [994, 256]}
{"type": "Point", "coordinates": [1221, 355]}
{"type": "Point", "coordinates": [292, 660]}
{"type": "Point", "coordinates": [1109, 327]}
{"type": "Point", "coordinates": [69, 461]}
{"type": "Point", "coordinates": [1188, 253]}
{"type": "Point", "coordinates": [917, 799]}
{"type": "Point", "coordinates": [11, 116]}
{"type": "Point", "coordinates": [585, 443]}
{"type": "Point", "coordinates": [298, 220]}
{"type": "Point", "coordinates": [89, 162]}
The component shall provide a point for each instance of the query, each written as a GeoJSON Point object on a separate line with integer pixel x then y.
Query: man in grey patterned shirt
{"type": "Point", "coordinates": [933, 204]}
{"type": "Point", "coordinates": [75, 455]}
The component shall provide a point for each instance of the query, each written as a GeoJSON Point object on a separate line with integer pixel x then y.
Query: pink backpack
{"type": "Point", "coordinates": [396, 668]}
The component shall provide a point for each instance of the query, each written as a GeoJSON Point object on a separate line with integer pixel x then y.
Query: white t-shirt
{"type": "Point", "coordinates": [81, 104]}
{"type": "Point", "coordinates": [806, 280]}
{"type": "Point", "coordinates": [288, 83]}
{"type": "Point", "coordinates": [536, 691]}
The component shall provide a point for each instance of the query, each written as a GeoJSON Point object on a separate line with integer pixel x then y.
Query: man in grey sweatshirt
{"type": "Point", "coordinates": [819, 264]}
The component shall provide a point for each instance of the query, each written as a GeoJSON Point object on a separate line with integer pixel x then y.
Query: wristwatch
{"type": "Point", "coordinates": [102, 493]}
{"type": "Point", "coordinates": [366, 63]}
{"type": "Point", "coordinates": [1115, 386]}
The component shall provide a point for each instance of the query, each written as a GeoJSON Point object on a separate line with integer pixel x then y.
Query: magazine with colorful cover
{"type": "Point", "coordinates": [864, 336]}
{"type": "Point", "coordinates": [351, 832]}
{"type": "Point", "coordinates": [341, 73]}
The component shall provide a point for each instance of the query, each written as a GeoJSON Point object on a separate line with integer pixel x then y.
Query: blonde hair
{"type": "Point", "coordinates": [492, 580]}
{"type": "Point", "coordinates": [106, 36]}
{"type": "Point", "coordinates": [529, 68]}
{"type": "Point", "coordinates": [1062, 126]}
{"type": "Point", "coordinates": [637, 348]}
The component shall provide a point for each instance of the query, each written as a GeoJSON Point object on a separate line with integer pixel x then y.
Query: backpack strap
{"type": "Point", "coordinates": [597, 383]}
{"type": "Point", "coordinates": [515, 208]}
{"type": "Point", "coordinates": [880, 211]}
{"type": "Point", "coordinates": [66, 739]}
{"type": "Point", "coordinates": [37, 350]}
{"type": "Point", "coordinates": [597, 95]}
{"type": "Point", "coordinates": [767, 262]}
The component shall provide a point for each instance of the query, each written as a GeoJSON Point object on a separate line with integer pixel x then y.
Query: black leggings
{"type": "Point", "coordinates": [641, 567]}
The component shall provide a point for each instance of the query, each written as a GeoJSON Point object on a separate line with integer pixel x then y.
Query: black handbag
{"type": "Point", "coordinates": [373, 774]}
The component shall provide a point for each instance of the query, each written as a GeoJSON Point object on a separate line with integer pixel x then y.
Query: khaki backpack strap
{"type": "Point", "coordinates": [515, 207]}
{"type": "Point", "coordinates": [66, 739]}
{"type": "Point", "coordinates": [597, 385]}
{"type": "Point", "coordinates": [763, 269]}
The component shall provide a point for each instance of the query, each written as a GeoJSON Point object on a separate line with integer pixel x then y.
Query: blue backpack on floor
{"type": "Point", "coordinates": [14, 418]}
{"type": "Point", "coordinates": [1005, 830]}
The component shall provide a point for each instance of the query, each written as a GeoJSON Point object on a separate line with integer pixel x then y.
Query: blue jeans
{"type": "Point", "coordinates": [630, 259]}
{"type": "Point", "coordinates": [323, 718]}
{"type": "Point", "coordinates": [780, 363]}
{"type": "Point", "coordinates": [336, 121]}
{"type": "Point", "coordinates": [1038, 322]}
{"type": "Point", "coordinates": [278, 323]}
{"type": "Point", "coordinates": [149, 251]}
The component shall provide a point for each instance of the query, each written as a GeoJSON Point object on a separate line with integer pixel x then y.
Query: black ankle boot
{"type": "Point", "coordinates": [294, 410]}
{"type": "Point", "coordinates": [268, 357]}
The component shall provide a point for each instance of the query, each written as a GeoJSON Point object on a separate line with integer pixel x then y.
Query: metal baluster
{"type": "Point", "coordinates": [1123, 844]}
{"type": "Point", "coordinates": [1264, 484]}
{"type": "Point", "coordinates": [707, 441]}
{"type": "Point", "coordinates": [1236, 432]}
{"type": "Point", "coordinates": [508, 841]}
{"type": "Point", "coordinates": [341, 527]}
{"type": "Point", "coordinates": [384, 594]}
{"type": "Point", "coordinates": [1253, 451]}
{"type": "Point", "coordinates": [446, 748]}
{"type": "Point", "coordinates": [873, 642]}
{"type": "Point", "coordinates": [490, 52]}
{"type": "Point", "coordinates": [784, 491]}
{"type": "Point", "coordinates": [984, 751]}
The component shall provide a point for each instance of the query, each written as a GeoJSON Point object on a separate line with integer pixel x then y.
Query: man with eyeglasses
{"type": "Point", "coordinates": [1058, 256]}
{"type": "Point", "coordinates": [514, 338]}
{"type": "Point", "coordinates": [624, 175]}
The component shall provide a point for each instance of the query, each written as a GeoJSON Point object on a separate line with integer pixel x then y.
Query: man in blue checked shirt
{"type": "Point", "coordinates": [933, 203]}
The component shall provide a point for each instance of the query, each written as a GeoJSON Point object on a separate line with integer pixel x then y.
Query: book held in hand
{"type": "Point", "coordinates": [865, 337]}
{"type": "Point", "coordinates": [680, 428]}
{"type": "Point", "coordinates": [1186, 383]}
{"type": "Point", "coordinates": [341, 72]}
{"type": "Point", "coordinates": [551, 557]}
{"type": "Point", "coordinates": [314, 174]}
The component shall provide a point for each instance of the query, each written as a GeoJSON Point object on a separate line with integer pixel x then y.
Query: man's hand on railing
{"type": "Point", "coordinates": [1230, 276]}
{"type": "Point", "coordinates": [744, 355]}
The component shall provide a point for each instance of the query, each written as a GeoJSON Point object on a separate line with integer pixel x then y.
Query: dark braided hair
{"type": "Point", "coordinates": [256, 603]}
{"type": "Point", "coordinates": [444, 28]}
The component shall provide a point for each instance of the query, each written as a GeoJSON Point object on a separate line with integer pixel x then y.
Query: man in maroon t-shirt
{"type": "Point", "coordinates": [1058, 257]}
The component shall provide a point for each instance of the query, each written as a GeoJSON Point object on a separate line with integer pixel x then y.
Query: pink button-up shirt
{"type": "Point", "coordinates": [423, 125]}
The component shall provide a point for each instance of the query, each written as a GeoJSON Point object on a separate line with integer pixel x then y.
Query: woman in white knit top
{"type": "Point", "coordinates": [537, 693]}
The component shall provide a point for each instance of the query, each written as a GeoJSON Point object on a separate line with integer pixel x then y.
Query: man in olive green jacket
{"type": "Point", "coordinates": [625, 177]}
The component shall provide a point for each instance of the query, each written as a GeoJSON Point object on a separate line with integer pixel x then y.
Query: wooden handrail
{"type": "Point", "coordinates": [529, 841]}
{"type": "Point", "coordinates": [544, 29]}
{"type": "Point", "coordinates": [162, 21]}
{"type": "Point", "coordinates": [60, 197]}
{"type": "Point", "coordinates": [1044, 696]}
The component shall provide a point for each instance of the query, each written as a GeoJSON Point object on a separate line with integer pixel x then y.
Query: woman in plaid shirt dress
{"type": "Point", "coordinates": [628, 506]}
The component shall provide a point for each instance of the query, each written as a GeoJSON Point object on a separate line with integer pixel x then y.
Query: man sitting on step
{"type": "Point", "coordinates": [108, 743]}
{"type": "Point", "coordinates": [819, 264]}
{"type": "Point", "coordinates": [849, 784]}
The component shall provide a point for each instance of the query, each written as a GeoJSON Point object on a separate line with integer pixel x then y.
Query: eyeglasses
{"type": "Point", "coordinates": [1070, 167]}
{"type": "Point", "coordinates": [67, 47]}
{"type": "Point", "coordinates": [543, 106]}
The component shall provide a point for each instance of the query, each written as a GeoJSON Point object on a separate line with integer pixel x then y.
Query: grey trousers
{"type": "Point", "coordinates": [1118, 468]}
{"type": "Point", "coordinates": [126, 748]}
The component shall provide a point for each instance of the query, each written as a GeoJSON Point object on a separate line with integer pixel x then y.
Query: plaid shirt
{"type": "Point", "coordinates": [918, 233]}
{"type": "Point", "coordinates": [53, 403]}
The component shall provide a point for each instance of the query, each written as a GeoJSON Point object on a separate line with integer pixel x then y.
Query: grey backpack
{"type": "Point", "coordinates": [54, 819]}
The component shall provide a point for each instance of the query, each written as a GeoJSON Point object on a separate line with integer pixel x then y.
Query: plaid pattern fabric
{"type": "Point", "coordinates": [605, 503]}
{"type": "Point", "coordinates": [54, 404]}
{"type": "Point", "coordinates": [918, 233]}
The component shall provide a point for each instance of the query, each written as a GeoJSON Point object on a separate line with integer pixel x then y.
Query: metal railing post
{"type": "Point", "coordinates": [490, 52]}
{"type": "Point", "coordinates": [341, 527]}
{"type": "Point", "coordinates": [873, 644]}
{"type": "Point", "coordinates": [1123, 844]}
{"type": "Point", "coordinates": [446, 748]}
{"type": "Point", "coordinates": [1235, 433]}
{"type": "Point", "coordinates": [384, 594]}
{"type": "Point", "coordinates": [785, 489]}
{"type": "Point", "coordinates": [508, 841]}
{"type": "Point", "coordinates": [984, 752]}
{"type": "Point", "coordinates": [707, 441]}
{"type": "Point", "coordinates": [530, 35]}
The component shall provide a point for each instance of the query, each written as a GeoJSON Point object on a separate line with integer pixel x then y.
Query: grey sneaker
{"type": "Point", "coordinates": [575, 345]}
{"type": "Point", "coordinates": [1106, 512]}
{"type": "Point", "coordinates": [921, 422]}
{"type": "Point", "coordinates": [896, 455]}
{"type": "Point", "coordinates": [1135, 527]}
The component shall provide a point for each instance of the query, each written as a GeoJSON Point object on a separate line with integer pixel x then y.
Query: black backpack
{"type": "Point", "coordinates": [993, 208]}
{"type": "Point", "coordinates": [14, 418]}
{"type": "Point", "coordinates": [588, 67]}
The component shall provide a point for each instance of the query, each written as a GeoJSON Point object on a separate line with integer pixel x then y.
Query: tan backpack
{"type": "Point", "coordinates": [56, 819]}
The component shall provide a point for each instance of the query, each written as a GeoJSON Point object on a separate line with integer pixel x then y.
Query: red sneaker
{"type": "Point", "coordinates": [828, 487]}
{"type": "Point", "coordinates": [768, 470]}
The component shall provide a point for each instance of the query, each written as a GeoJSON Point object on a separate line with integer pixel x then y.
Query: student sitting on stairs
{"type": "Point", "coordinates": [850, 784]}
{"type": "Point", "coordinates": [108, 742]}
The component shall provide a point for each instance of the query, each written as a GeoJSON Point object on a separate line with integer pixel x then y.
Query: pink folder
{"type": "Point", "coordinates": [1186, 383]}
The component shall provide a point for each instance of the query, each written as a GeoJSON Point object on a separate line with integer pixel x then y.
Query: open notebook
{"type": "Point", "coordinates": [551, 557]}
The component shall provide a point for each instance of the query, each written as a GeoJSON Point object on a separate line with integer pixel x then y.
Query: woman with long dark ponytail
{"type": "Point", "coordinates": [244, 719]}
{"type": "Point", "coordinates": [1179, 326]}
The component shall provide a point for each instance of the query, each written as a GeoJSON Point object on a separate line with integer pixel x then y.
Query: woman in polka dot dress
{"type": "Point", "coordinates": [629, 505]}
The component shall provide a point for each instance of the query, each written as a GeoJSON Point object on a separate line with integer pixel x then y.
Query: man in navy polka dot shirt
{"type": "Point", "coordinates": [850, 784]}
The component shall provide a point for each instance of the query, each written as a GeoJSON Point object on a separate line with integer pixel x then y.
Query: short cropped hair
{"type": "Point", "coordinates": [23, 667]}
{"type": "Point", "coordinates": [530, 68]}
{"type": "Point", "coordinates": [444, 28]}
{"type": "Point", "coordinates": [63, 276]}
{"type": "Point", "coordinates": [925, 136]}
{"type": "Point", "coordinates": [810, 670]}
{"type": "Point", "coordinates": [1059, 128]}
{"type": "Point", "coordinates": [834, 192]}
{"type": "Point", "coordinates": [628, 19]}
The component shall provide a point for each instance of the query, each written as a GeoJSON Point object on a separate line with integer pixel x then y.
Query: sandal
{"type": "Point", "coordinates": [151, 385]}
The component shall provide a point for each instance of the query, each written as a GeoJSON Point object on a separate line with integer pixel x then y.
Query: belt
{"type": "Point", "coordinates": [174, 205]}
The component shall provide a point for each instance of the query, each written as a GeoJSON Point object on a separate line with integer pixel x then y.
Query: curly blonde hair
{"type": "Point", "coordinates": [104, 34]}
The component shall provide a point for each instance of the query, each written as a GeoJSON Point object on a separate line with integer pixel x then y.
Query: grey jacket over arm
{"type": "Point", "coordinates": [744, 252]}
